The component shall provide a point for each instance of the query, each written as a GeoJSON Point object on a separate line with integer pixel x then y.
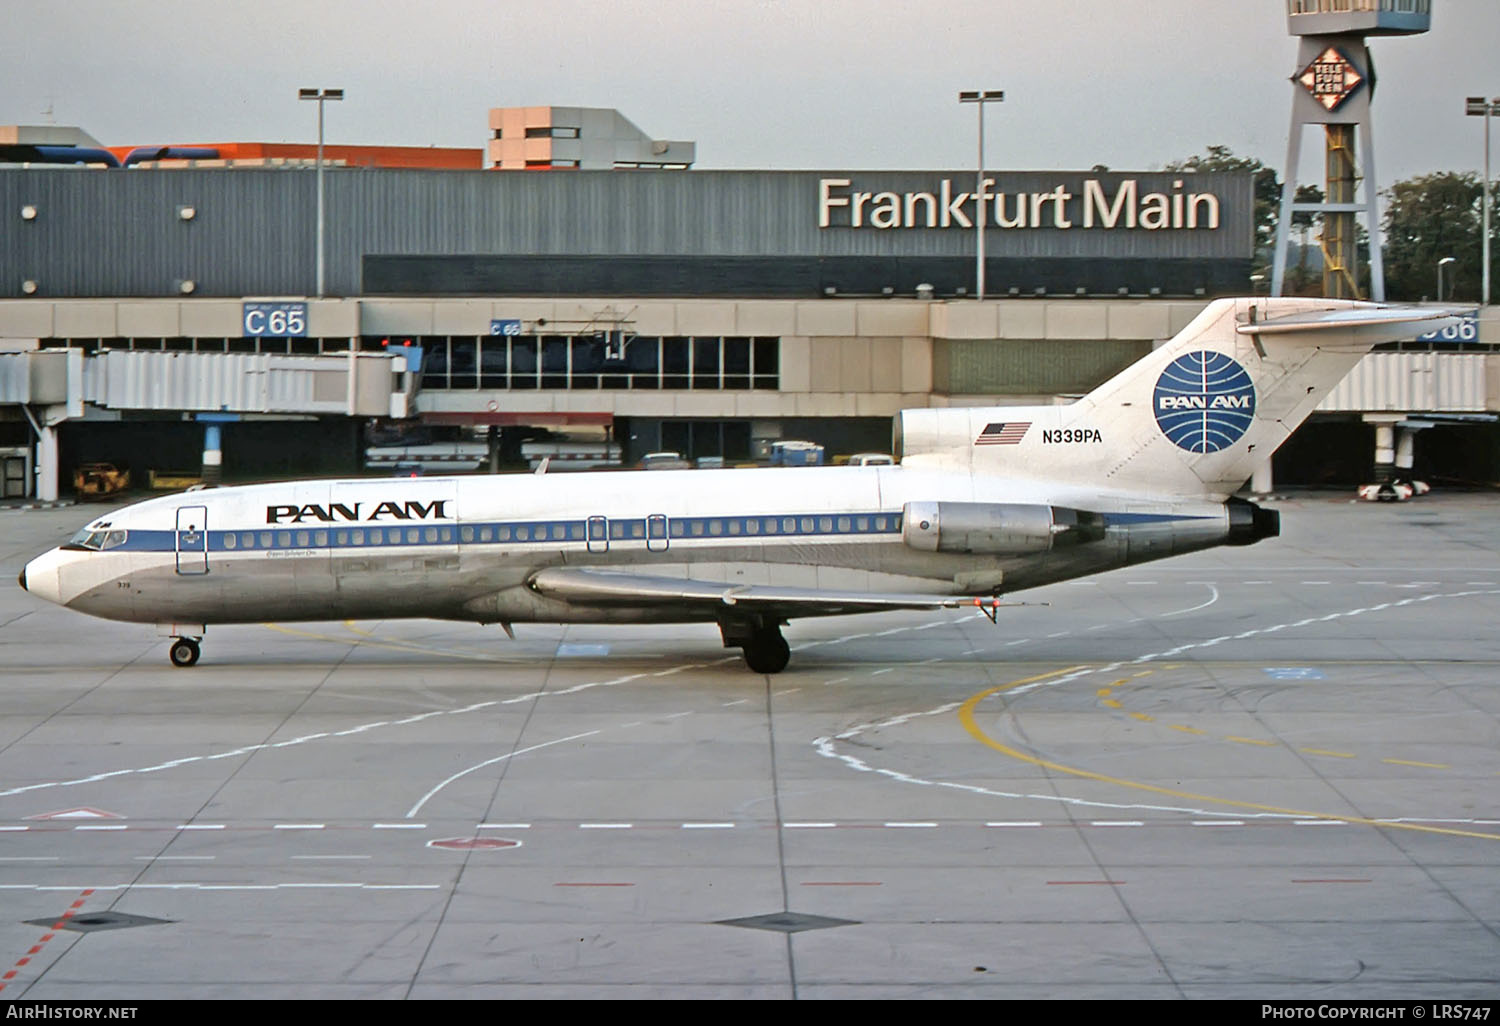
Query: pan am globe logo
{"type": "Point", "coordinates": [1204, 402]}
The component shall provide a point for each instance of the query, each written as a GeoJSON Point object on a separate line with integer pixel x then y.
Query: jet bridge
{"type": "Point", "coordinates": [56, 385]}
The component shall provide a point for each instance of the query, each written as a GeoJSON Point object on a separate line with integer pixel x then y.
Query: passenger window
{"type": "Point", "coordinates": [637, 530]}
{"type": "Point", "coordinates": [303, 539]}
{"type": "Point", "coordinates": [230, 541]}
{"type": "Point", "coordinates": [617, 530]}
{"type": "Point", "coordinates": [575, 531]}
{"type": "Point", "coordinates": [359, 537]}
{"type": "Point", "coordinates": [503, 533]}
{"type": "Point", "coordinates": [752, 526]}
{"type": "Point", "coordinates": [861, 523]}
{"type": "Point", "coordinates": [320, 539]}
{"type": "Point", "coordinates": [284, 539]}
{"type": "Point", "coordinates": [341, 538]}
{"type": "Point", "coordinates": [770, 525]}
{"type": "Point", "coordinates": [734, 527]}
{"type": "Point", "coordinates": [466, 534]}
{"type": "Point", "coordinates": [716, 527]}
{"type": "Point", "coordinates": [430, 535]}
{"type": "Point", "coordinates": [413, 535]}
{"type": "Point", "coordinates": [697, 528]}
{"type": "Point", "coordinates": [789, 525]}
{"type": "Point", "coordinates": [523, 533]}
{"type": "Point", "coordinates": [484, 534]}
{"type": "Point", "coordinates": [807, 525]}
{"type": "Point", "coordinates": [247, 540]}
{"type": "Point", "coordinates": [265, 539]}
{"type": "Point", "coordinates": [843, 524]}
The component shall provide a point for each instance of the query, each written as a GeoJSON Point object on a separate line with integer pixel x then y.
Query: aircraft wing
{"type": "Point", "coordinates": [586, 586]}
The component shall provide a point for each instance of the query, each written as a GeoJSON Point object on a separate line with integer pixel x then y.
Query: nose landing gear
{"type": "Point", "coordinates": [184, 652]}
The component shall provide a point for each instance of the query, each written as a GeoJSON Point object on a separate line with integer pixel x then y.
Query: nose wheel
{"type": "Point", "coordinates": [184, 652]}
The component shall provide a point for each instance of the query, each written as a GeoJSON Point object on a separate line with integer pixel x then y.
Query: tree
{"type": "Point", "coordinates": [1427, 219]}
{"type": "Point", "coordinates": [1300, 281]}
{"type": "Point", "coordinates": [1267, 192]}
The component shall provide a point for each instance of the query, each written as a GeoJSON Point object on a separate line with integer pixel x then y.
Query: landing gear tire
{"type": "Point", "coordinates": [184, 652]}
{"type": "Point", "coordinates": [767, 652]}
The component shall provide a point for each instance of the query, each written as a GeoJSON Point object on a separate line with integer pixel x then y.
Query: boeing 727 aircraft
{"type": "Point", "coordinates": [984, 503]}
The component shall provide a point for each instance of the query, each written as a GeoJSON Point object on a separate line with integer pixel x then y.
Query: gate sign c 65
{"type": "Point", "coordinates": [275, 320]}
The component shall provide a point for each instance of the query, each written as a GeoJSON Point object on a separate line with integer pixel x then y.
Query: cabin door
{"type": "Point", "coordinates": [192, 539]}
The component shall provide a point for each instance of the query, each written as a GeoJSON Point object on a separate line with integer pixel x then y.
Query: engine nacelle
{"type": "Point", "coordinates": [996, 529]}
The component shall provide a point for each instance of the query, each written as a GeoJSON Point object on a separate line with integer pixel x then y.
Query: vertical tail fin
{"type": "Point", "coordinates": [1200, 413]}
{"type": "Point", "coordinates": [1192, 419]}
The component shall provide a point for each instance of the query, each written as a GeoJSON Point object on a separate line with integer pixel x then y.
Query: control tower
{"type": "Point", "coordinates": [1333, 86]}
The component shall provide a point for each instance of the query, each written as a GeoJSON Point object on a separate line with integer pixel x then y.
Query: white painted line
{"type": "Point", "coordinates": [101, 826]}
{"type": "Point", "coordinates": [605, 826]}
{"type": "Point", "coordinates": [708, 826]}
{"type": "Point", "coordinates": [15, 828]}
{"type": "Point", "coordinates": [1218, 822]}
{"type": "Point", "coordinates": [836, 680]}
{"type": "Point", "coordinates": [1014, 823]}
{"type": "Point", "coordinates": [1117, 823]}
{"type": "Point", "coordinates": [298, 826]}
{"type": "Point", "coordinates": [175, 858]}
{"type": "Point", "coordinates": [877, 673]}
{"type": "Point", "coordinates": [325, 857]}
{"type": "Point", "coordinates": [903, 826]}
{"type": "Point", "coordinates": [201, 826]}
{"type": "Point", "coordinates": [399, 826]}
{"type": "Point", "coordinates": [742, 701]}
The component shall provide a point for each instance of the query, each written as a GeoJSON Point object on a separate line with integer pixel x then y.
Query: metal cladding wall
{"type": "Point", "coordinates": [119, 233]}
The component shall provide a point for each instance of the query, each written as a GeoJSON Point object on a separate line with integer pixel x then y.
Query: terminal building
{"type": "Point", "coordinates": [165, 315]}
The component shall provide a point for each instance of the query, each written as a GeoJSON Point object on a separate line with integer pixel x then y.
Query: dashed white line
{"type": "Point", "coordinates": [605, 826]}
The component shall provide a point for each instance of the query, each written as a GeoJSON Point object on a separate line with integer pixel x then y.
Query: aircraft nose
{"type": "Point", "coordinates": [22, 578]}
{"type": "Point", "coordinates": [39, 577]}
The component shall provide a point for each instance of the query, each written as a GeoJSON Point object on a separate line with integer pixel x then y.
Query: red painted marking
{"type": "Point", "coordinates": [1331, 881]}
{"type": "Point", "coordinates": [1073, 883]}
{"type": "Point", "coordinates": [473, 843]}
{"type": "Point", "coordinates": [842, 883]}
{"type": "Point", "coordinates": [82, 812]}
{"type": "Point", "coordinates": [37, 947]}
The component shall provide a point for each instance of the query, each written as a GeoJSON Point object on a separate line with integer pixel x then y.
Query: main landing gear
{"type": "Point", "coordinates": [766, 651]}
{"type": "Point", "coordinates": [184, 652]}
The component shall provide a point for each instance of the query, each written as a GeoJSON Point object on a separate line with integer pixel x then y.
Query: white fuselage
{"type": "Point", "coordinates": [466, 548]}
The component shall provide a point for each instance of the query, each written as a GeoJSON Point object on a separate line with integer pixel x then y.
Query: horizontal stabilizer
{"type": "Point", "coordinates": [1333, 320]}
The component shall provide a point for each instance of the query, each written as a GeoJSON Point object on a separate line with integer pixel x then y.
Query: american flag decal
{"type": "Point", "coordinates": [1009, 433]}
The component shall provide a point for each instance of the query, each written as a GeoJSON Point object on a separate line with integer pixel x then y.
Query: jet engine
{"type": "Point", "coordinates": [996, 529]}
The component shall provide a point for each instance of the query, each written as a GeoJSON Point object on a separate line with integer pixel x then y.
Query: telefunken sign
{"type": "Point", "coordinates": [1097, 206]}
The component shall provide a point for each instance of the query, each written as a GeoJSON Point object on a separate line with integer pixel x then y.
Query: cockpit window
{"type": "Point", "coordinates": [97, 541]}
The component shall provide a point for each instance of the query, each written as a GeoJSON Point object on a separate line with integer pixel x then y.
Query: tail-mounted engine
{"type": "Point", "coordinates": [996, 529]}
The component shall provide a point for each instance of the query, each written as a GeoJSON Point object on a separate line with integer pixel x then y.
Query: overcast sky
{"type": "Point", "coordinates": [829, 84]}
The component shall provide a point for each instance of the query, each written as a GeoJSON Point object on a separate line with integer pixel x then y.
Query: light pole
{"type": "Point", "coordinates": [321, 96]}
{"type": "Point", "coordinates": [1441, 264]}
{"type": "Point", "coordinates": [979, 97]}
{"type": "Point", "coordinates": [1477, 106]}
